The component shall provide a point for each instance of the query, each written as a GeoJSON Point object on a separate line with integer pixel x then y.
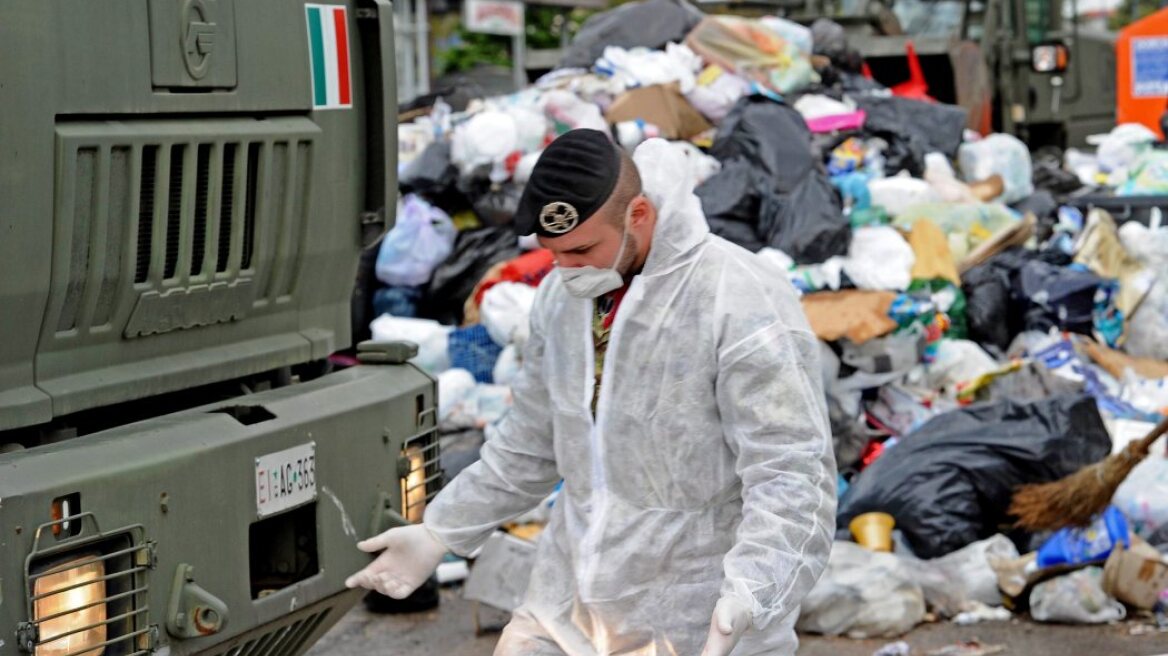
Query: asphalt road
{"type": "Point", "coordinates": [449, 631]}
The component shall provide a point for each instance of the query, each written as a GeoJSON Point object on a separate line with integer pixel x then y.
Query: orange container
{"type": "Point", "coordinates": [1141, 62]}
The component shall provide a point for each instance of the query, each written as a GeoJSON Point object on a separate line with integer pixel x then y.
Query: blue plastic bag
{"type": "Point", "coordinates": [472, 348]}
{"type": "Point", "coordinates": [421, 239]}
{"type": "Point", "coordinates": [398, 301]}
{"type": "Point", "coordinates": [1075, 546]}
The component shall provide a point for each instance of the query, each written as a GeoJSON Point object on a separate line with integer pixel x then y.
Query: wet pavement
{"type": "Point", "coordinates": [450, 631]}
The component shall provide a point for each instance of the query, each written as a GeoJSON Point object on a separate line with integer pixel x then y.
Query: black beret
{"type": "Point", "coordinates": [573, 178]}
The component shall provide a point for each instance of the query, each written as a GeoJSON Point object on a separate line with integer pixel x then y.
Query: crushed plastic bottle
{"type": "Point", "coordinates": [1074, 546]}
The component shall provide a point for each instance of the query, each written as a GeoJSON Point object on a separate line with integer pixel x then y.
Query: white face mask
{"type": "Point", "coordinates": [592, 282]}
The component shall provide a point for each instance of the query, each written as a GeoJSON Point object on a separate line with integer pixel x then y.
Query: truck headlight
{"type": "Point", "coordinates": [414, 485]}
{"type": "Point", "coordinates": [69, 608]}
{"type": "Point", "coordinates": [1049, 58]}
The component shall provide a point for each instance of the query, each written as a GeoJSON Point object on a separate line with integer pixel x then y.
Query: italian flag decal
{"type": "Point", "coordinates": [328, 47]}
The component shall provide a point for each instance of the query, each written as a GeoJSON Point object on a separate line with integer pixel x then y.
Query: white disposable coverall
{"type": "Point", "coordinates": [707, 472]}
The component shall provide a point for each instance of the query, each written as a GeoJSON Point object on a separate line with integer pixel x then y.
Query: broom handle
{"type": "Point", "coordinates": [1146, 444]}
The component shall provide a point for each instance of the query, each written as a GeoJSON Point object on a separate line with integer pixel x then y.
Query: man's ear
{"type": "Point", "coordinates": [643, 211]}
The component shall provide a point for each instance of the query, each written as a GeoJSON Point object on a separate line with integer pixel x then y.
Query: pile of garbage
{"type": "Point", "coordinates": [985, 321]}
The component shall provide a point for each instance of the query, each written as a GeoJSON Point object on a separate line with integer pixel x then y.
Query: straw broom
{"type": "Point", "coordinates": [1077, 499]}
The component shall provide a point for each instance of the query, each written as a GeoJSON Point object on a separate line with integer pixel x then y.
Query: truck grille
{"type": "Point", "coordinates": [149, 213]}
{"type": "Point", "coordinates": [283, 641]}
{"type": "Point", "coordinates": [290, 637]}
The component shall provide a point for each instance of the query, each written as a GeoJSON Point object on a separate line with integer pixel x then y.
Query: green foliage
{"type": "Point", "coordinates": [1123, 15]}
{"type": "Point", "coordinates": [470, 50]}
{"type": "Point", "coordinates": [545, 27]}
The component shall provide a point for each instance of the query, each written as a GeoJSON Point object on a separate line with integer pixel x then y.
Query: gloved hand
{"type": "Point", "coordinates": [409, 555]}
{"type": "Point", "coordinates": [731, 618]}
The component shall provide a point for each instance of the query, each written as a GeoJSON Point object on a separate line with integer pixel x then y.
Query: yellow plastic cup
{"type": "Point", "coordinates": [873, 530]}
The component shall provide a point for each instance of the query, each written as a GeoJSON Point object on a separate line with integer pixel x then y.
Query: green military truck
{"type": "Point", "coordinates": [185, 189]}
{"type": "Point", "coordinates": [1024, 67]}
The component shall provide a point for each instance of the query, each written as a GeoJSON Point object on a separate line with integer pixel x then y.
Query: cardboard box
{"type": "Point", "coordinates": [501, 572]}
{"type": "Point", "coordinates": [1136, 576]}
{"type": "Point", "coordinates": [663, 106]}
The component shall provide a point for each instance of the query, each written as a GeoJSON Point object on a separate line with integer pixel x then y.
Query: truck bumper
{"type": "Point", "coordinates": [209, 547]}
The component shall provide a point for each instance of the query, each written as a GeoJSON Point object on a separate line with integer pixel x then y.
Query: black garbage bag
{"type": "Point", "coordinates": [497, 206]}
{"type": "Point", "coordinates": [855, 83]}
{"type": "Point", "coordinates": [431, 175]}
{"type": "Point", "coordinates": [772, 179]}
{"type": "Point", "coordinates": [949, 483]}
{"type": "Point", "coordinates": [732, 195]}
{"type": "Point", "coordinates": [1042, 204]}
{"type": "Point", "coordinates": [848, 437]}
{"type": "Point", "coordinates": [475, 251]}
{"type": "Point", "coordinates": [1059, 297]}
{"type": "Point", "coordinates": [652, 24]}
{"type": "Point", "coordinates": [806, 223]}
{"type": "Point", "coordinates": [1019, 290]}
{"type": "Point", "coordinates": [737, 232]}
{"type": "Point", "coordinates": [493, 203]}
{"type": "Point", "coordinates": [987, 289]}
{"type": "Point", "coordinates": [1051, 176]}
{"type": "Point", "coordinates": [828, 38]}
{"type": "Point", "coordinates": [912, 128]}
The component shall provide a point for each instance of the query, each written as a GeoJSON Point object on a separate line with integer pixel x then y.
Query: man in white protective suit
{"type": "Point", "coordinates": [672, 382]}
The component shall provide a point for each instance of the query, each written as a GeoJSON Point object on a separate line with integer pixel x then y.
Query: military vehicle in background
{"type": "Point", "coordinates": [185, 189]}
{"type": "Point", "coordinates": [1025, 67]}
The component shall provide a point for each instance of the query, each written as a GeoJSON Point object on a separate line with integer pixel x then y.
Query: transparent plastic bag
{"type": "Point", "coordinates": [753, 50]}
{"type": "Point", "coordinates": [999, 154]}
{"type": "Point", "coordinates": [863, 594]}
{"type": "Point", "coordinates": [421, 239]}
{"type": "Point", "coordinates": [1076, 598]}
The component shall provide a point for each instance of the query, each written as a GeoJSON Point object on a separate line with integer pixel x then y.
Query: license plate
{"type": "Point", "coordinates": [285, 479]}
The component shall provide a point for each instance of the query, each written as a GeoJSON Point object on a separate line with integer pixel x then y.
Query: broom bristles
{"type": "Point", "coordinates": [1076, 499]}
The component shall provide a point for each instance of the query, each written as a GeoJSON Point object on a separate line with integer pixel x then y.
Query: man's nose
{"type": "Point", "coordinates": [570, 261]}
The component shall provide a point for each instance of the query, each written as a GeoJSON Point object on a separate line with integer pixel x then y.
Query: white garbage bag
{"type": "Point", "coordinates": [642, 67]}
{"type": "Point", "coordinates": [940, 174]}
{"type": "Point", "coordinates": [1119, 149]}
{"type": "Point", "coordinates": [1143, 497]}
{"type": "Point", "coordinates": [566, 108]}
{"type": "Point", "coordinates": [1147, 330]}
{"type": "Point", "coordinates": [507, 366]}
{"type": "Point", "coordinates": [531, 128]}
{"type": "Point", "coordinates": [900, 192]}
{"type": "Point", "coordinates": [454, 385]}
{"type": "Point", "coordinates": [999, 154]}
{"type": "Point", "coordinates": [813, 106]}
{"type": "Point", "coordinates": [506, 310]}
{"type": "Point", "coordinates": [879, 258]}
{"type": "Point", "coordinates": [525, 166]}
{"type": "Point", "coordinates": [964, 578]}
{"type": "Point", "coordinates": [958, 361]}
{"type": "Point", "coordinates": [1076, 598]}
{"type": "Point", "coordinates": [421, 239]}
{"type": "Point", "coordinates": [431, 337]}
{"type": "Point", "coordinates": [488, 137]}
{"type": "Point", "coordinates": [863, 594]}
{"type": "Point", "coordinates": [716, 92]}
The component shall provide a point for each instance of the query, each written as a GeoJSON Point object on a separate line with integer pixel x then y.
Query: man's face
{"type": "Point", "coordinates": [594, 242]}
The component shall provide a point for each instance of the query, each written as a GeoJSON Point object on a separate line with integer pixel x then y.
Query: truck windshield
{"type": "Point", "coordinates": [917, 17]}
{"type": "Point", "coordinates": [929, 17]}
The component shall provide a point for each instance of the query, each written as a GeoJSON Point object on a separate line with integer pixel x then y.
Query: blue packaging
{"type": "Point", "coordinates": [1074, 546]}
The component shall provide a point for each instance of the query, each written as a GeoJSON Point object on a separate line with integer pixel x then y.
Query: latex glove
{"type": "Point", "coordinates": [731, 619]}
{"type": "Point", "coordinates": [409, 555]}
